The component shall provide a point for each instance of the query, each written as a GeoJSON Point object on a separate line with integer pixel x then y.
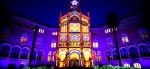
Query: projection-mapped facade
{"type": "Point", "coordinates": [74, 42]}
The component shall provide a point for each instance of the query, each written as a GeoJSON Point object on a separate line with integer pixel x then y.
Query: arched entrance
{"type": "Point", "coordinates": [74, 63]}
{"type": "Point", "coordinates": [74, 58]}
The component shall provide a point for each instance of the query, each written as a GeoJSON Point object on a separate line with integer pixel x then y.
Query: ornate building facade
{"type": "Point", "coordinates": [74, 43]}
{"type": "Point", "coordinates": [74, 38]}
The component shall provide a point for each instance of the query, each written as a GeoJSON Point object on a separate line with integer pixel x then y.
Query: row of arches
{"type": "Point", "coordinates": [131, 52]}
{"type": "Point", "coordinates": [74, 54]}
{"type": "Point", "coordinates": [6, 50]}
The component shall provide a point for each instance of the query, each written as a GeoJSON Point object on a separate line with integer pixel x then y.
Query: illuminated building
{"type": "Point", "coordinates": [74, 38]}
{"type": "Point", "coordinates": [74, 42]}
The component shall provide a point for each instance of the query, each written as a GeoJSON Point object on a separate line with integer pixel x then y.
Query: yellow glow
{"type": "Point", "coordinates": [74, 27]}
{"type": "Point", "coordinates": [53, 45]}
{"type": "Point", "coordinates": [74, 48]}
{"type": "Point", "coordinates": [62, 51]}
{"type": "Point", "coordinates": [87, 55]}
{"type": "Point", "coordinates": [49, 58]}
{"type": "Point", "coordinates": [92, 63]}
{"type": "Point", "coordinates": [95, 44]}
{"type": "Point", "coordinates": [61, 64]}
{"type": "Point", "coordinates": [23, 39]}
{"type": "Point", "coordinates": [125, 39]}
{"type": "Point", "coordinates": [85, 20]}
{"type": "Point", "coordinates": [87, 64]}
{"type": "Point", "coordinates": [74, 55]}
{"type": "Point", "coordinates": [63, 20]}
{"type": "Point", "coordinates": [56, 62]}
{"type": "Point", "coordinates": [62, 55]}
{"type": "Point", "coordinates": [63, 28]}
{"type": "Point", "coordinates": [85, 29]}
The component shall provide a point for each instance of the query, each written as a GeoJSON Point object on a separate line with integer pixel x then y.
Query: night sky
{"type": "Point", "coordinates": [47, 11]}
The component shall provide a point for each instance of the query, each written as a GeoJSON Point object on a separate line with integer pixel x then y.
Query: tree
{"type": "Point", "coordinates": [112, 22]}
{"type": "Point", "coordinates": [33, 46]}
{"type": "Point", "coordinates": [146, 17]}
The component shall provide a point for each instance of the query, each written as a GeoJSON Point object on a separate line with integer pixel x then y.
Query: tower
{"type": "Point", "coordinates": [74, 5]}
{"type": "Point", "coordinates": [74, 38]}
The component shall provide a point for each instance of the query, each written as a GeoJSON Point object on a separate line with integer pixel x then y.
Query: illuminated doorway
{"type": "Point", "coordinates": [74, 59]}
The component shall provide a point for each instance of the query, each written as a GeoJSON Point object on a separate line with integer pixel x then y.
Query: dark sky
{"type": "Point", "coordinates": [47, 11]}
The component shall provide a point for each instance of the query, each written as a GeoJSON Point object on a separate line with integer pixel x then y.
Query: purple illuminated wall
{"type": "Point", "coordinates": [19, 26]}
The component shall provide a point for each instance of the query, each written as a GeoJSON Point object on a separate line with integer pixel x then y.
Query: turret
{"type": "Point", "coordinates": [74, 5]}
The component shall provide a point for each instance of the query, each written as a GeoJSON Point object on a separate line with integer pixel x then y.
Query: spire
{"type": "Point", "coordinates": [74, 5]}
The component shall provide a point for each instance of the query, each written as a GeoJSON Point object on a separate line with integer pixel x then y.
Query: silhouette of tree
{"type": "Point", "coordinates": [112, 22]}
{"type": "Point", "coordinates": [146, 17]}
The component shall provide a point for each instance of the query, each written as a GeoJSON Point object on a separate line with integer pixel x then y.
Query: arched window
{"type": "Point", "coordinates": [143, 33]}
{"type": "Point", "coordinates": [15, 52]}
{"type": "Point", "coordinates": [4, 51]}
{"type": "Point", "coordinates": [126, 65]}
{"type": "Point", "coordinates": [40, 56]}
{"type": "Point", "coordinates": [108, 55]}
{"type": "Point", "coordinates": [39, 41]}
{"type": "Point", "coordinates": [4, 33]}
{"type": "Point", "coordinates": [133, 52]}
{"type": "Point", "coordinates": [63, 40]}
{"type": "Point", "coordinates": [53, 43]}
{"type": "Point", "coordinates": [24, 38]}
{"type": "Point", "coordinates": [137, 65]}
{"type": "Point", "coordinates": [41, 30]}
{"type": "Point", "coordinates": [144, 52]}
{"type": "Point", "coordinates": [115, 55]}
{"type": "Point", "coordinates": [124, 53]}
{"type": "Point", "coordinates": [34, 55]}
{"type": "Point", "coordinates": [86, 40]}
{"type": "Point", "coordinates": [63, 26]}
{"type": "Point", "coordinates": [124, 38]}
{"type": "Point", "coordinates": [109, 41]}
{"type": "Point", "coordinates": [53, 56]}
{"type": "Point", "coordinates": [49, 56]}
{"type": "Point", "coordinates": [74, 19]}
{"type": "Point", "coordinates": [24, 53]}
{"type": "Point", "coordinates": [107, 30]}
{"type": "Point", "coordinates": [55, 33]}
{"type": "Point", "coordinates": [75, 39]}
{"type": "Point", "coordinates": [99, 58]}
{"type": "Point", "coordinates": [95, 43]}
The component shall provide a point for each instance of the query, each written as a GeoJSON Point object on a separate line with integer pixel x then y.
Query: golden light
{"type": "Point", "coordinates": [49, 58]}
{"type": "Point", "coordinates": [63, 20]}
{"type": "Point", "coordinates": [75, 27]}
{"type": "Point", "coordinates": [62, 57]}
{"type": "Point", "coordinates": [85, 20]}
{"type": "Point", "coordinates": [87, 55]}
{"type": "Point", "coordinates": [74, 55]}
